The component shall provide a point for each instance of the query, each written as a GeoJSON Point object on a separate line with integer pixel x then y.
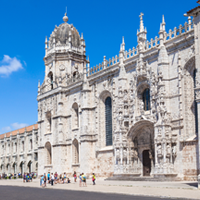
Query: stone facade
{"type": "Point", "coordinates": [134, 114]}
{"type": "Point", "coordinates": [154, 101]}
{"type": "Point", "coordinates": [19, 150]}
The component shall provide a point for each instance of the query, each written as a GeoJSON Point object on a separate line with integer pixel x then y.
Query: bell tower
{"type": "Point", "coordinates": [64, 56]}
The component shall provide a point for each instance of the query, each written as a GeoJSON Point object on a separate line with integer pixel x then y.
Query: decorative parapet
{"type": "Point", "coordinates": [104, 65]}
{"type": "Point", "coordinates": [75, 79]}
{"type": "Point", "coordinates": [179, 31]}
{"type": "Point", "coordinates": [153, 43]}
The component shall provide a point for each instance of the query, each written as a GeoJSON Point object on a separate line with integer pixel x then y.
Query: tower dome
{"type": "Point", "coordinates": [62, 34]}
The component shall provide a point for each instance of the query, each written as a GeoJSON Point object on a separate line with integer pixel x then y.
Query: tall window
{"type": "Point", "coordinates": [48, 153]}
{"type": "Point", "coordinates": [75, 151]}
{"type": "Point", "coordinates": [146, 99]}
{"type": "Point", "coordinates": [50, 76]}
{"type": "Point", "coordinates": [108, 120]}
{"type": "Point", "coordinates": [75, 115]}
{"type": "Point", "coordinates": [15, 147]}
{"type": "Point", "coordinates": [22, 145]}
{"type": "Point", "coordinates": [49, 122]}
{"type": "Point", "coordinates": [31, 144]}
{"type": "Point", "coordinates": [195, 103]}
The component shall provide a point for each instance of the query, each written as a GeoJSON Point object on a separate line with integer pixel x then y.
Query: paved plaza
{"type": "Point", "coordinates": [102, 189]}
{"type": "Point", "coordinates": [36, 193]}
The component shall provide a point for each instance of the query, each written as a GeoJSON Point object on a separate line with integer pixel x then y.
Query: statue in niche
{"type": "Point", "coordinates": [125, 152]}
{"type": "Point", "coordinates": [174, 151]}
{"type": "Point", "coordinates": [120, 119]}
{"type": "Point", "coordinates": [159, 132]}
{"type": "Point", "coordinates": [120, 93]}
{"type": "Point", "coordinates": [159, 151]}
{"type": "Point", "coordinates": [168, 151]}
{"type": "Point", "coordinates": [125, 95]}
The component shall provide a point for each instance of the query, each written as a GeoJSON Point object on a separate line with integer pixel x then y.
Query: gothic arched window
{"type": "Point", "coordinates": [195, 103]}
{"type": "Point", "coordinates": [48, 153]}
{"type": "Point", "coordinates": [49, 122]}
{"type": "Point", "coordinates": [146, 99]}
{"type": "Point", "coordinates": [75, 151]}
{"type": "Point", "coordinates": [31, 144]}
{"type": "Point", "coordinates": [108, 121]}
{"type": "Point", "coordinates": [50, 76]}
{"type": "Point", "coordinates": [75, 116]}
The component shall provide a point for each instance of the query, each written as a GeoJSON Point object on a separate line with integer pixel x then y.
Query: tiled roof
{"type": "Point", "coordinates": [21, 131]}
{"type": "Point", "coordinates": [190, 11]}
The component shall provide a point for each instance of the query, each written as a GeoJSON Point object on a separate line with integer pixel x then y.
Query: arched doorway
{"type": "Point", "coordinates": [14, 168]}
{"type": "Point", "coordinates": [21, 167]}
{"type": "Point", "coordinates": [8, 169]}
{"type": "Point", "coordinates": [29, 166]}
{"type": "Point", "coordinates": [146, 163]}
{"type": "Point", "coordinates": [36, 167]}
{"type": "Point", "coordinates": [48, 153]}
{"type": "Point", "coordinates": [2, 168]}
{"type": "Point", "coordinates": [141, 142]}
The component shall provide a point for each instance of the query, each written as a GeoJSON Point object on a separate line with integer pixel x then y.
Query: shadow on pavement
{"type": "Point", "coordinates": [193, 184]}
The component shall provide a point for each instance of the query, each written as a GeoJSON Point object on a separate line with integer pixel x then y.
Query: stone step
{"type": "Point", "coordinates": [131, 177]}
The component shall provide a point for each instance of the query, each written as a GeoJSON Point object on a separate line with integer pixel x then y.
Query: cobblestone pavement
{"type": "Point", "coordinates": [183, 190]}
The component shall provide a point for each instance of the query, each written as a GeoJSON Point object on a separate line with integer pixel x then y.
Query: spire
{"type": "Point", "coordinates": [141, 34]}
{"type": "Point", "coordinates": [163, 23]}
{"type": "Point", "coordinates": [141, 22]}
{"type": "Point", "coordinates": [123, 44]}
{"type": "Point", "coordinates": [65, 18]}
{"type": "Point", "coordinates": [161, 28]}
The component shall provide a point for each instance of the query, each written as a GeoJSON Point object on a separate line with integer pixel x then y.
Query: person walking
{"type": "Point", "coordinates": [24, 178]}
{"type": "Point", "coordinates": [48, 177]}
{"type": "Point", "coordinates": [52, 179]}
{"type": "Point", "coordinates": [93, 178]}
{"type": "Point", "coordinates": [42, 180]}
{"type": "Point", "coordinates": [80, 182]}
{"type": "Point", "coordinates": [84, 179]}
{"type": "Point", "coordinates": [45, 180]}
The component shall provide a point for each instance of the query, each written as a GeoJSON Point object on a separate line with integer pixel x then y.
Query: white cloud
{"type": "Point", "coordinates": [17, 125]}
{"type": "Point", "coordinates": [9, 65]}
{"type": "Point", "coordinates": [5, 129]}
{"type": "Point", "coordinates": [12, 127]}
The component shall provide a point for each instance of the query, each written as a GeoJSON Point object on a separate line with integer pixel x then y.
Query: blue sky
{"type": "Point", "coordinates": [25, 23]}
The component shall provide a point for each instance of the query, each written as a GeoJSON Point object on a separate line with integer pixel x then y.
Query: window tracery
{"type": "Point", "coordinates": [146, 99]}
{"type": "Point", "coordinates": [108, 121]}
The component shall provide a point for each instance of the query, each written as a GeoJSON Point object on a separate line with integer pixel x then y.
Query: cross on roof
{"type": "Point", "coordinates": [141, 15]}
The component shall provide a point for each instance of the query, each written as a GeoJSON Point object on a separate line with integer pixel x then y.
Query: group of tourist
{"type": "Point", "coordinates": [26, 176]}
{"type": "Point", "coordinates": [55, 178]}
